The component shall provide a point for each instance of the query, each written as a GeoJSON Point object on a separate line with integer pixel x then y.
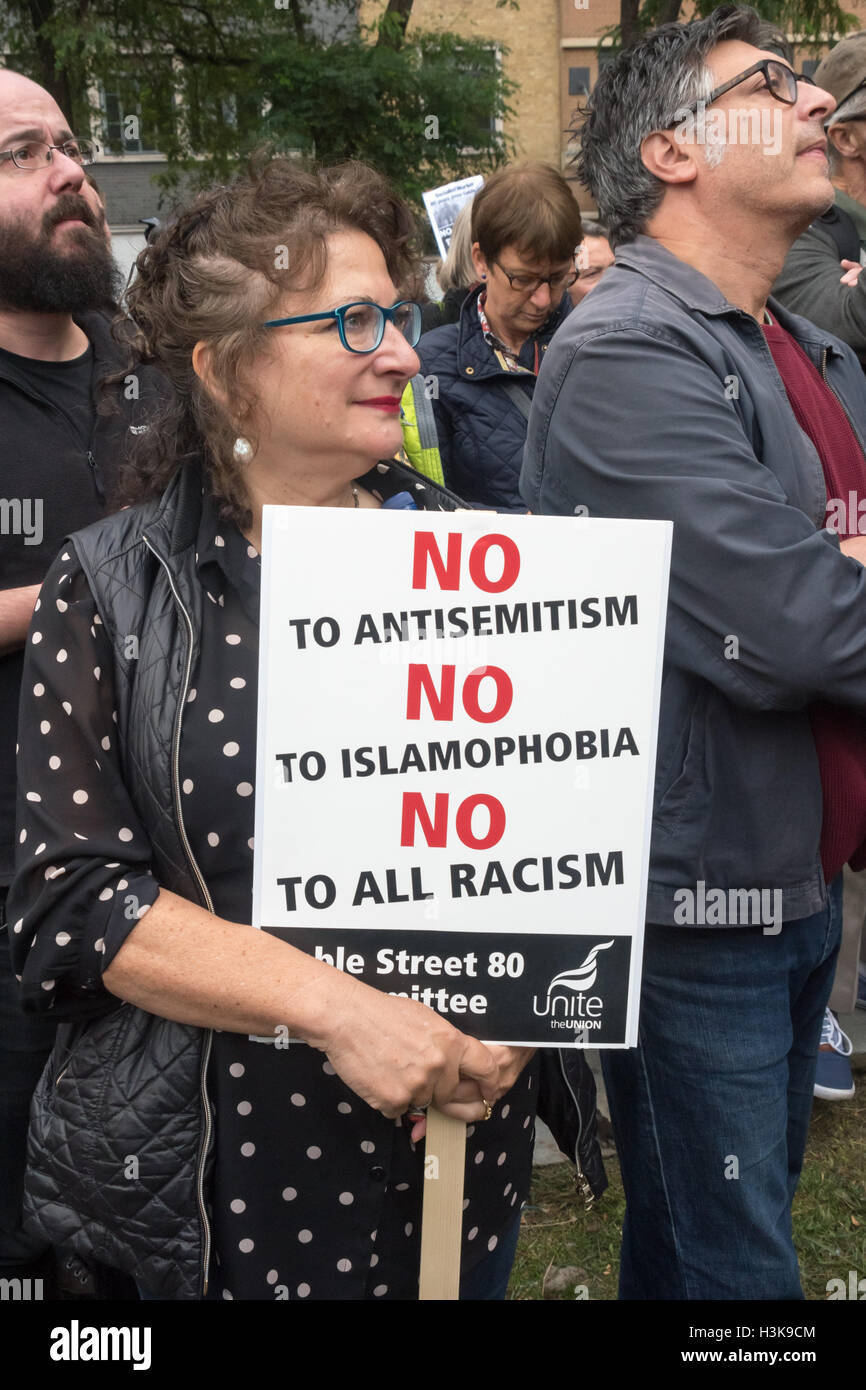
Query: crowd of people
{"type": "Point", "coordinates": [692, 355]}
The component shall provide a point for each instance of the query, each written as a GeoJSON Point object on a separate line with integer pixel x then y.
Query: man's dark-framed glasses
{"type": "Point", "coordinates": [36, 154]}
{"type": "Point", "coordinates": [362, 324]}
{"type": "Point", "coordinates": [525, 283]}
{"type": "Point", "coordinates": [780, 80]}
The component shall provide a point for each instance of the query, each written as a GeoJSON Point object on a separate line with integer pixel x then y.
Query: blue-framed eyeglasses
{"type": "Point", "coordinates": [362, 324]}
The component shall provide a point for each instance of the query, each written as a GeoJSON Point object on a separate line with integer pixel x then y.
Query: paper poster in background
{"type": "Point", "coordinates": [456, 748]}
{"type": "Point", "coordinates": [443, 205]}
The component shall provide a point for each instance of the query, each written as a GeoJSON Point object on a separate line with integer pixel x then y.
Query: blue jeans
{"type": "Point", "coordinates": [711, 1110]}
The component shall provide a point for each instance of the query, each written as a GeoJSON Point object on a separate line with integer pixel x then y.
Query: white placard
{"type": "Point", "coordinates": [443, 205]}
{"type": "Point", "coordinates": [456, 748]}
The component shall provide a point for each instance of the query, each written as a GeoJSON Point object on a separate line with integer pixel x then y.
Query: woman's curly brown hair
{"type": "Point", "coordinates": [214, 274]}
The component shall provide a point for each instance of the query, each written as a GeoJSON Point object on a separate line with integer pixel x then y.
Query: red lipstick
{"type": "Point", "coordinates": [391, 404]}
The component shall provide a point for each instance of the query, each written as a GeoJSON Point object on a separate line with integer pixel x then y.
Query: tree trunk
{"type": "Point", "coordinates": [670, 11]}
{"type": "Point", "coordinates": [298, 19]}
{"type": "Point", "coordinates": [398, 12]}
{"type": "Point", "coordinates": [55, 80]}
{"type": "Point", "coordinates": [630, 10]}
{"type": "Point", "coordinates": [628, 21]}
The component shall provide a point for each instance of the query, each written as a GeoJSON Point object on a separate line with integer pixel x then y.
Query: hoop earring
{"type": "Point", "coordinates": [243, 450]}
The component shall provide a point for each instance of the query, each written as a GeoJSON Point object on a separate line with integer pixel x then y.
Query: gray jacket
{"type": "Point", "coordinates": [809, 280]}
{"type": "Point", "coordinates": [659, 399]}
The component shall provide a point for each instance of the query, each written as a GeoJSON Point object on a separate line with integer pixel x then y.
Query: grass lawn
{"type": "Point", "coordinates": [829, 1214]}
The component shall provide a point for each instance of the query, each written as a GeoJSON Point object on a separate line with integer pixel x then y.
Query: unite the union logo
{"type": "Point", "coordinates": [568, 1003]}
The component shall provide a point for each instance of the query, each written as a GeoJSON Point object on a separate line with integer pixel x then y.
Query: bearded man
{"type": "Point", "coordinates": [59, 466]}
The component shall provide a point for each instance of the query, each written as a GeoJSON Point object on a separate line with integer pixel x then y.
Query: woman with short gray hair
{"type": "Point", "coordinates": [478, 375]}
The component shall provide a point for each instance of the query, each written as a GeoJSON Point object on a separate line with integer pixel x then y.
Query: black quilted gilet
{"type": "Point", "coordinates": [127, 1084]}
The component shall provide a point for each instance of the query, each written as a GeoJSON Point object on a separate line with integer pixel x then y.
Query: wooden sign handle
{"type": "Point", "coordinates": [442, 1210]}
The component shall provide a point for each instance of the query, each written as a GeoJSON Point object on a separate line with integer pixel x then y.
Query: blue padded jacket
{"type": "Point", "coordinates": [481, 430]}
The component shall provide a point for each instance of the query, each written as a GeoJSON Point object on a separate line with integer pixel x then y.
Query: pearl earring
{"type": "Point", "coordinates": [243, 450]}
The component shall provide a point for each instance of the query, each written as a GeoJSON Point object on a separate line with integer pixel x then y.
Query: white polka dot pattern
{"type": "Point", "coordinates": [305, 1169]}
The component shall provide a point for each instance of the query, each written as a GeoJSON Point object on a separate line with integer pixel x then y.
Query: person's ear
{"type": "Point", "coordinates": [202, 365]}
{"type": "Point", "coordinates": [479, 262]}
{"type": "Point", "coordinates": [669, 158]}
{"type": "Point", "coordinates": [844, 139]}
{"type": "Point", "coordinates": [201, 361]}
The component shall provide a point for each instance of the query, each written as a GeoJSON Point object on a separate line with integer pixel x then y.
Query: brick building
{"type": "Point", "coordinates": [530, 33]}
{"type": "Point", "coordinates": [554, 51]}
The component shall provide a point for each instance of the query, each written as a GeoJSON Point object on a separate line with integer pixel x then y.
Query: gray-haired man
{"type": "Point", "coordinates": [671, 392]}
{"type": "Point", "coordinates": [816, 279]}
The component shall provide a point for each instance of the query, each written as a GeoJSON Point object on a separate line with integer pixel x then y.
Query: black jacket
{"type": "Point", "coordinates": [120, 1080]}
{"type": "Point", "coordinates": [481, 431]}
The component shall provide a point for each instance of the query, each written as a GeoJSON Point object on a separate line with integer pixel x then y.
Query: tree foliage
{"type": "Point", "coordinates": [411, 110]}
{"type": "Point", "coordinates": [812, 19]}
{"type": "Point", "coordinates": [208, 80]}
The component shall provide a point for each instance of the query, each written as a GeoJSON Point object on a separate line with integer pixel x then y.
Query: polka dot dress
{"type": "Point", "coordinates": [314, 1195]}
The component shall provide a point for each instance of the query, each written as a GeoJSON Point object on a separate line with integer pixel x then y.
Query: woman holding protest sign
{"type": "Point", "coordinates": [187, 1134]}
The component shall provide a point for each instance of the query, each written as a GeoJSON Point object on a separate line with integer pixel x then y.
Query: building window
{"type": "Point", "coordinates": [482, 71]}
{"type": "Point", "coordinates": [578, 82]}
{"type": "Point", "coordinates": [123, 129]}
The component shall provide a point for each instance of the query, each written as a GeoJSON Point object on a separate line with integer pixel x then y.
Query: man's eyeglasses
{"type": "Point", "coordinates": [528, 284]}
{"type": "Point", "coordinates": [35, 154]}
{"type": "Point", "coordinates": [362, 325]}
{"type": "Point", "coordinates": [781, 81]}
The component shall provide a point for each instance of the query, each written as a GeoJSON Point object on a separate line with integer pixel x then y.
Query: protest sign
{"type": "Point", "coordinates": [456, 740]}
{"type": "Point", "coordinates": [443, 205]}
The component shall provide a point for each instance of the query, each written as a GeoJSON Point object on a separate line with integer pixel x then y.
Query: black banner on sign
{"type": "Point", "coordinates": [509, 987]}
